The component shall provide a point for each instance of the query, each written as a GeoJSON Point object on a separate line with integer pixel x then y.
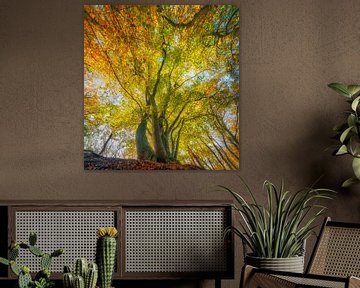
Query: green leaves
{"type": "Point", "coordinates": [345, 90]}
{"type": "Point", "coordinates": [4, 261]}
{"type": "Point", "coordinates": [356, 167]}
{"type": "Point", "coordinates": [349, 131]}
{"type": "Point", "coordinates": [355, 103]}
{"type": "Point", "coordinates": [349, 182]}
{"type": "Point", "coordinates": [340, 88]}
{"type": "Point", "coordinates": [353, 89]}
{"type": "Point", "coordinates": [345, 134]}
{"type": "Point", "coordinates": [342, 150]}
{"type": "Point", "coordinates": [279, 229]}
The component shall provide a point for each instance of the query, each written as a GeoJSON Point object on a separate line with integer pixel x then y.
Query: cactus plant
{"type": "Point", "coordinates": [68, 280]}
{"type": "Point", "coordinates": [24, 277]}
{"type": "Point", "coordinates": [80, 268]}
{"type": "Point", "coordinates": [79, 282]}
{"type": "Point", "coordinates": [32, 239]}
{"type": "Point", "coordinates": [84, 274]}
{"type": "Point", "coordinates": [13, 253]}
{"type": "Point", "coordinates": [42, 278]}
{"type": "Point", "coordinates": [105, 254]}
{"type": "Point", "coordinates": [45, 261]}
{"type": "Point", "coordinates": [91, 276]}
{"type": "Point", "coordinates": [36, 251]}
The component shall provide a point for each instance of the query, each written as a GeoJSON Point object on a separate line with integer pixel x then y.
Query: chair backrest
{"type": "Point", "coordinates": [337, 251]}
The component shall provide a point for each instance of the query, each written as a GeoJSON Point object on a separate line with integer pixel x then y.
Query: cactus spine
{"type": "Point", "coordinates": [84, 276]}
{"type": "Point", "coordinates": [106, 254]}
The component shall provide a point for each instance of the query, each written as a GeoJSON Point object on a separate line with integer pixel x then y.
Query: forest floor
{"type": "Point", "coordinates": [94, 161]}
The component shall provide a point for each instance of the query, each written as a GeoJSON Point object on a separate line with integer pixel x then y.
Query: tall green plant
{"type": "Point", "coordinates": [348, 132]}
{"type": "Point", "coordinates": [279, 229]}
{"type": "Point", "coordinates": [106, 254]}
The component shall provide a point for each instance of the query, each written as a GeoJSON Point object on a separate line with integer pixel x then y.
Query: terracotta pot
{"type": "Point", "coordinates": [291, 264]}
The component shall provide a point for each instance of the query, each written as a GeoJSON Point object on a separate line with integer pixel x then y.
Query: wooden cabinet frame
{"type": "Point", "coordinates": [120, 209]}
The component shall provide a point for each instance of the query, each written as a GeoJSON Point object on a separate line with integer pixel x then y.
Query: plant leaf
{"type": "Point", "coordinates": [356, 167]}
{"type": "Point", "coordinates": [349, 182]}
{"type": "Point", "coordinates": [340, 88]}
{"type": "Point", "coordinates": [279, 228]}
{"type": "Point", "coordinates": [345, 134]}
{"type": "Point", "coordinates": [353, 89]}
{"type": "Point", "coordinates": [342, 150]}
{"type": "Point", "coordinates": [351, 119]}
{"type": "Point", "coordinates": [4, 261]}
{"type": "Point", "coordinates": [354, 145]}
{"type": "Point", "coordinates": [355, 103]}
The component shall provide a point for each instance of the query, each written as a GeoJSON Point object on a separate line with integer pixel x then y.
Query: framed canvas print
{"type": "Point", "coordinates": [161, 87]}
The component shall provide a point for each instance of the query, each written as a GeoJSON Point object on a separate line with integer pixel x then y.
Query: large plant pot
{"type": "Point", "coordinates": [291, 264]}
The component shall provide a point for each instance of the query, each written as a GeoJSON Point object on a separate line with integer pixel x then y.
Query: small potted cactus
{"type": "Point", "coordinates": [85, 275]}
{"type": "Point", "coordinates": [106, 254]}
{"type": "Point", "coordinates": [42, 278]}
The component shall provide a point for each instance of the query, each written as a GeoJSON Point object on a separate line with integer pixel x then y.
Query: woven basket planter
{"type": "Point", "coordinates": [291, 264]}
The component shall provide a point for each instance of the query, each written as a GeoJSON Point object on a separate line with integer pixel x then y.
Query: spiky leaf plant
{"type": "Point", "coordinates": [348, 133]}
{"type": "Point", "coordinates": [279, 229]}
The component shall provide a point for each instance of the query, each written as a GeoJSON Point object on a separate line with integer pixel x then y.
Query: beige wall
{"type": "Point", "coordinates": [290, 50]}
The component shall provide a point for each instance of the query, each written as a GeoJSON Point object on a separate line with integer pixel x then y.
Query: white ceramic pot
{"type": "Point", "coordinates": [291, 264]}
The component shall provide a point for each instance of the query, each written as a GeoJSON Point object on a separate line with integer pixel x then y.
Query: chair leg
{"type": "Point", "coordinates": [217, 283]}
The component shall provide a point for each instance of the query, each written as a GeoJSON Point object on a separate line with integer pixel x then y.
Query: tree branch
{"type": "Point", "coordinates": [159, 74]}
{"type": "Point", "coordinates": [105, 144]}
{"type": "Point", "coordinates": [213, 152]}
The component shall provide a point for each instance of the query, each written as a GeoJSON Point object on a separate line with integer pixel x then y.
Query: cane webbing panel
{"type": "Point", "coordinates": [74, 231]}
{"type": "Point", "coordinates": [313, 282]}
{"type": "Point", "coordinates": [175, 241]}
{"type": "Point", "coordinates": [338, 252]}
{"type": "Point", "coordinates": [261, 280]}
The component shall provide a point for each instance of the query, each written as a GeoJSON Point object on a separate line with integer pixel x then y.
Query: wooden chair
{"type": "Point", "coordinates": [335, 262]}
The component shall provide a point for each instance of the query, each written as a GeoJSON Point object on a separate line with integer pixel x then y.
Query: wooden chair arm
{"type": "Point", "coordinates": [251, 279]}
{"type": "Point", "coordinates": [354, 282]}
{"type": "Point", "coordinates": [254, 278]}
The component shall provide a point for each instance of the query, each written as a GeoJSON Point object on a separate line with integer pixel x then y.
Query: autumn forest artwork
{"type": "Point", "coordinates": [161, 87]}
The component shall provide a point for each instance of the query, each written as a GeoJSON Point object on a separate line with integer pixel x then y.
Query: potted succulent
{"type": "Point", "coordinates": [276, 233]}
{"type": "Point", "coordinates": [348, 132]}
